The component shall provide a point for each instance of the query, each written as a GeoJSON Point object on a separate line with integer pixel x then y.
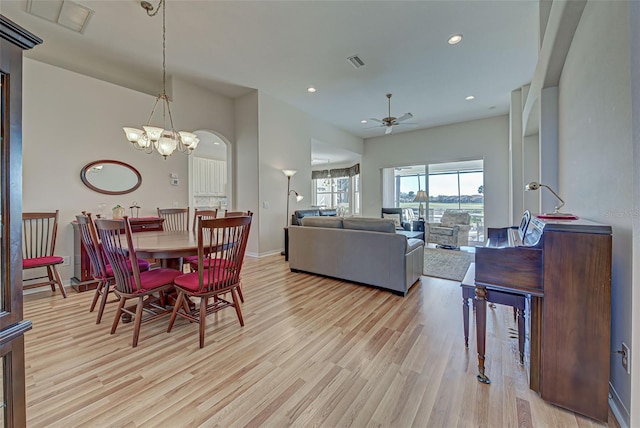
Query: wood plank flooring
{"type": "Point", "coordinates": [313, 352]}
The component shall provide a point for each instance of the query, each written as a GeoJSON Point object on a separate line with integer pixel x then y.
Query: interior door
{"type": "Point", "coordinates": [13, 40]}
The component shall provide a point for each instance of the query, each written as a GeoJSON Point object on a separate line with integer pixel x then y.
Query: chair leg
{"type": "Point", "coordinates": [240, 292]}
{"type": "Point", "coordinates": [138, 321]}
{"type": "Point", "coordinates": [96, 294]}
{"type": "Point", "coordinates": [103, 301]}
{"type": "Point", "coordinates": [175, 310]}
{"type": "Point", "coordinates": [51, 280]}
{"type": "Point", "coordinates": [234, 294]}
{"type": "Point", "coordinates": [116, 320]}
{"type": "Point", "coordinates": [203, 318]}
{"type": "Point", "coordinates": [59, 281]}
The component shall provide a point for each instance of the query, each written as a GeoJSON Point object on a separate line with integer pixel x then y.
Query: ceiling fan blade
{"type": "Point", "coordinates": [375, 120]}
{"type": "Point", "coordinates": [404, 117]}
{"type": "Point", "coordinates": [388, 130]}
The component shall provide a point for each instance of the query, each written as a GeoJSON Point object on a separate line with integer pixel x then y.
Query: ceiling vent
{"type": "Point", "coordinates": [66, 13]}
{"type": "Point", "coordinates": [356, 61]}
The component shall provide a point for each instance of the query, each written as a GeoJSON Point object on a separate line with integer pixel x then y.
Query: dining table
{"type": "Point", "coordinates": [168, 246]}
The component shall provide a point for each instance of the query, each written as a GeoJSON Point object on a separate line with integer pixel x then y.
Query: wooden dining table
{"type": "Point", "coordinates": [168, 246]}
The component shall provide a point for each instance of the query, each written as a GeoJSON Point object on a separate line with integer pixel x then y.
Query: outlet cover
{"type": "Point", "coordinates": [66, 260]}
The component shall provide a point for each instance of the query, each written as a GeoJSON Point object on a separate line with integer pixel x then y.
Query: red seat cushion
{"type": "Point", "coordinates": [41, 261]}
{"type": "Point", "coordinates": [219, 263]}
{"type": "Point", "coordinates": [143, 266]}
{"type": "Point", "coordinates": [157, 278]}
{"type": "Point", "coordinates": [189, 281]}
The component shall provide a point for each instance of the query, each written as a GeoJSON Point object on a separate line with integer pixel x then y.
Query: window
{"type": "Point", "coordinates": [338, 189]}
{"type": "Point", "coordinates": [455, 185]}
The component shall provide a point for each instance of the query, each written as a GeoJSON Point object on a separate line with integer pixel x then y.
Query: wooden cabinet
{"type": "Point", "coordinates": [13, 41]}
{"type": "Point", "coordinates": [82, 279]}
{"type": "Point", "coordinates": [210, 177]}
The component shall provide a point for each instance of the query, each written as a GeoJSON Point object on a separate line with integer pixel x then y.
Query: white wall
{"type": "Point", "coordinates": [285, 143]}
{"type": "Point", "coordinates": [285, 135]}
{"type": "Point", "coordinates": [246, 168]}
{"type": "Point", "coordinates": [70, 120]}
{"type": "Point", "coordinates": [486, 139]}
{"type": "Point", "coordinates": [595, 151]}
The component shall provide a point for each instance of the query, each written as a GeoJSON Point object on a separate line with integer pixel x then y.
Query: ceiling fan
{"type": "Point", "coordinates": [389, 122]}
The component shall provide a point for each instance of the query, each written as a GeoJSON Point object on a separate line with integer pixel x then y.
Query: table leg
{"type": "Point", "coordinates": [521, 333]}
{"type": "Point", "coordinates": [481, 330]}
{"type": "Point", "coordinates": [465, 319]}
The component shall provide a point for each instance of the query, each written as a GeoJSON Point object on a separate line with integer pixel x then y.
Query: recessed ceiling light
{"type": "Point", "coordinates": [311, 89]}
{"type": "Point", "coordinates": [470, 97]}
{"type": "Point", "coordinates": [455, 39]}
{"type": "Point", "coordinates": [363, 121]}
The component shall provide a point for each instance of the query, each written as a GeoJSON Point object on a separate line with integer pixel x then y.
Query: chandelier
{"type": "Point", "coordinates": [165, 140]}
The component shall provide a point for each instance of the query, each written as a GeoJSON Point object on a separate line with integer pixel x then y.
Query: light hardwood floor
{"type": "Point", "coordinates": [313, 352]}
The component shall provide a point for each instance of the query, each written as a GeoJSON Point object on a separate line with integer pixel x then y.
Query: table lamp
{"type": "Point", "coordinates": [556, 214]}
{"type": "Point", "coordinates": [421, 197]}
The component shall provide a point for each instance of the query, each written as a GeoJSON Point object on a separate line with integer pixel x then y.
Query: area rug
{"type": "Point", "coordinates": [447, 264]}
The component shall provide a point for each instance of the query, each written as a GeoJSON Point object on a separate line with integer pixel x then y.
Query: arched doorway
{"type": "Point", "coordinates": [210, 172]}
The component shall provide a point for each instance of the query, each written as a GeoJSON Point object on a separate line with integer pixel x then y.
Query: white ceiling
{"type": "Point", "coordinates": [282, 47]}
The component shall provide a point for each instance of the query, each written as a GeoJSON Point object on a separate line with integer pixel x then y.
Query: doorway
{"type": "Point", "coordinates": [210, 173]}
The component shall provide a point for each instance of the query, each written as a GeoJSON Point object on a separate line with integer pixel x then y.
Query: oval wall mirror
{"type": "Point", "coordinates": [110, 177]}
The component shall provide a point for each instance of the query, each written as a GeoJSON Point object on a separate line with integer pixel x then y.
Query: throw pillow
{"type": "Point", "coordinates": [394, 217]}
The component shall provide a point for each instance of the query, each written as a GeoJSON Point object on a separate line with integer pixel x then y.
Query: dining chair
{"type": "Point", "coordinates": [39, 232]}
{"type": "Point", "coordinates": [174, 218]}
{"type": "Point", "coordinates": [227, 238]}
{"type": "Point", "coordinates": [237, 213]}
{"type": "Point", "coordinates": [101, 270]}
{"type": "Point", "coordinates": [192, 261]}
{"type": "Point", "coordinates": [130, 283]}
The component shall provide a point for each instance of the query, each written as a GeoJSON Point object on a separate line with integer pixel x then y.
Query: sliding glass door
{"type": "Point", "coordinates": [450, 186]}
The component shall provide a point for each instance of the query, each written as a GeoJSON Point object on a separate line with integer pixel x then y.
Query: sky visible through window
{"type": "Point", "coordinates": [444, 184]}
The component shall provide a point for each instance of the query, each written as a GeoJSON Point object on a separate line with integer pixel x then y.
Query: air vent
{"type": "Point", "coordinates": [62, 12]}
{"type": "Point", "coordinates": [356, 61]}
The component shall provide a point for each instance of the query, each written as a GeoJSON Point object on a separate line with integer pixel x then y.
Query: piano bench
{"type": "Point", "coordinates": [517, 301]}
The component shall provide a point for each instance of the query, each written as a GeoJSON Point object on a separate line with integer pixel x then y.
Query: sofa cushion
{"type": "Point", "coordinates": [370, 224]}
{"type": "Point", "coordinates": [445, 231]}
{"type": "Point", "coordinates": [323, 221]}
{"type": "Point", "coordinates": [394, 217]}
{"type": "Point", "coordinates": [329, 212]}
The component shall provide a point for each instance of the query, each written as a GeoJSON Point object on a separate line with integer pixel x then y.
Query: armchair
{"type": "Point", "coordinates": [452, 231]}
{"type": "Point", "coordinates": [399, 217]}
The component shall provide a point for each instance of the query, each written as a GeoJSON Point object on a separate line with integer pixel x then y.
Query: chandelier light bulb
{"type": "Point", "coordinates": [133, 134]}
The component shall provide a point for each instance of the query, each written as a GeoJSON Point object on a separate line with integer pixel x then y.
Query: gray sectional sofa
{"type": "Point", "coordinates": [363, 250]}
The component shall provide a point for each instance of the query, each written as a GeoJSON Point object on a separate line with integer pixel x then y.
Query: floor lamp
{"type": "Point", "coordinates": [289, 173]}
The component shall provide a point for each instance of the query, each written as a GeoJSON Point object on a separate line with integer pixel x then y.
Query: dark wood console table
{"type": "Point", "coordinates": [82, 279]}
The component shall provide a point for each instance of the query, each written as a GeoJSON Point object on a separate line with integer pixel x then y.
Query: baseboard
{"type": "Point", "coordinates": [617, 408]}
{"type": "Point", "coordinates": [261, 255]}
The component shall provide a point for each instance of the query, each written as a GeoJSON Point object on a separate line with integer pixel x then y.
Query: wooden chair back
{"type": "Point", "coordinates": [174, 218]}
{"type": "Point", "coordinates": [89, 238]}
{"type": "Point", "coordinates": [205, 214]}
{"type": "Point", "coordinates": [226, 238]}
{"type": "Point", "coordinates": [238, 213]}
{"type": "Point", "coordinates": [117, 245]}
{"type": "Point", "coordinates": [39, 232]}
